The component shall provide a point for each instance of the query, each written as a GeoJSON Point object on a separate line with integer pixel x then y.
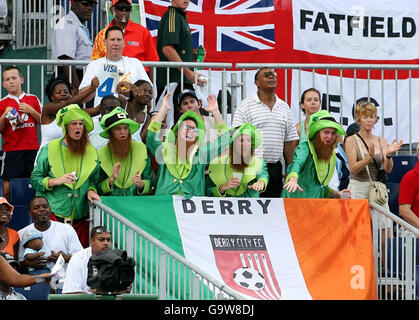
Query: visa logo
{"type": "Point", "coordinates": [110, 68]}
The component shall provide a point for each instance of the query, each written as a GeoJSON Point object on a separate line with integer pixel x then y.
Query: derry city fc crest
{"type": "Point", "coordinates": [244, 264]}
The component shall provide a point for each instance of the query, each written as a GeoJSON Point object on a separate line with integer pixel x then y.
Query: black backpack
{"type": "Point", "coordinates": [110, 271]}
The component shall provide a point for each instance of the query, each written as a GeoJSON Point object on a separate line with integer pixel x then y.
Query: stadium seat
{"type": "Point", "coordinates": [20, 218]}
{"type": "Point", "coordinates": [35, 292]}
{"type": "Point", "coordinates": [1, 188]}
{"type": "Point", "coordinates": [393, 197]}
{"type": "Point", "coordinates": [401, 164]}
{"type": "Point", "coordinates": [21, 191]}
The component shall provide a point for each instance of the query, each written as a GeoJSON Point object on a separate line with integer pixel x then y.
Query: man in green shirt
{"type": "Point", "coordinates": [174, 44]}
{"type": "Point", "coordinates": [126, 166]}
{"type": "Point", "coordinates": [313, 164]}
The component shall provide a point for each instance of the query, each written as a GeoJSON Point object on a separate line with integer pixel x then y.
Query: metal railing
{"type": "Point", "coordinates": [159, 269]}
{"type": "Point", "coordinates": [42, 75]}
{"type": "Point", "coordinates": [33, 21]}
{"type": "Point", "coordinates": [396, 256]}
{"type": "Point", "coordinates": [234, 85]}
{"type": "Point", "coordinates": [359, 80]}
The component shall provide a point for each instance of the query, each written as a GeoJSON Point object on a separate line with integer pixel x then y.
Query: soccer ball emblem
{"type": "Point", "coordinates": [249, 278]}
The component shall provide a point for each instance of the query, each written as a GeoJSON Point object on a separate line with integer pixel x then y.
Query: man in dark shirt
{"type": "Point", "coordinates": [174, 43]}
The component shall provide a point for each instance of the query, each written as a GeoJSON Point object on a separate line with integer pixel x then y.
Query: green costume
{"type": "Point", "coordinates": [137, 159]}
{"type": "Point", "coordinates": [187, 178]}
{"type": "Point", "coordinates": [55, 160]}
{"type": "Point", "coordinates": [313, 174]}
{"type": "Point", "coordinates": [220, 169]}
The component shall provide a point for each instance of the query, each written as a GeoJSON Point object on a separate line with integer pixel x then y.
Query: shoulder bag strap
{"type": "Point", "coordinates": [357, 139]}
{"type": "Point", "coordinates": [366, 146]}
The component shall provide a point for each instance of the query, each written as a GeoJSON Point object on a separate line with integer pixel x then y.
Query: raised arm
{"type": "Point", "coordinates": [51, 109]}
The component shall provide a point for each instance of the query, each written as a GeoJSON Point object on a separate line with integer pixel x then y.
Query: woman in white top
{"type": "Point", "coordinates": [58, 92]}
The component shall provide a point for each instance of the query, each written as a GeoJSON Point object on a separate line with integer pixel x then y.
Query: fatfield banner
{"type": "Point", "coordinates": [268, 249]}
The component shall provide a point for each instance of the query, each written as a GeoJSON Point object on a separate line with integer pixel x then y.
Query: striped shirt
{"type": "Point", "coordinates": [276, 125]}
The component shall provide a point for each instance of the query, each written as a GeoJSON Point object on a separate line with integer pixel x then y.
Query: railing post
{"type": "Point", "coordinates": [195, 287]}
{"type": "Point", "coordinates": [409, 268]}
{"type": "Point", "coordinates": [162, 276]}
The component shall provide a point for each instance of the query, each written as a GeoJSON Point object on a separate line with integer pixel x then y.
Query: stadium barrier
{"type": "Point", "coordinates": [159, 270]}
{"type": "Point", "coordinates": [340, 85]}
{"type": "Point", "coordinates": [396, 254]}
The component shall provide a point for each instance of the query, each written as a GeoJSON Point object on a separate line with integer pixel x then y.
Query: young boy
{"type": "Point", "coordinates": [19, 130]}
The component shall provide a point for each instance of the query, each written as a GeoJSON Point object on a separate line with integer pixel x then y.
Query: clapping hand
{"type": "Point", "coordinates": [137, 181]}
{"type": "Point", "coordinates": [393, 147]}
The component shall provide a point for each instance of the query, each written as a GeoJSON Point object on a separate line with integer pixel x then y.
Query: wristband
{"type": "Point", "coordinates": [389, 157]}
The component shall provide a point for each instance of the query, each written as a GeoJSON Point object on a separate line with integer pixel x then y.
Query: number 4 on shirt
{"type": "Point", "coordinates": [105, 88]}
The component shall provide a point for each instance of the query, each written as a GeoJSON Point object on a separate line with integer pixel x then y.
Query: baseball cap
{"type": "Point", "coordinates": [30, 235]}
{"type": "Point", "coordinates": [114, 2]}
{"type": "Point", "coordinates": [4, 200]}
{"type": "Point", "coordinates": [185, 93]}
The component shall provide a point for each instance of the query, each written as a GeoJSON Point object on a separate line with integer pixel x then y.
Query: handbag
{"type": "Point", "coordinates": [377, 190]}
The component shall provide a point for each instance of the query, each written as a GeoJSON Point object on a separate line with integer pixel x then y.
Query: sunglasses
{"type": "Point", "coordinates": [269, 74]}
{"type": "Point", "coordinates": [123, 8]}
{"type": "Point", "coordinates": [188, 127]}
{"type": "Point", "coordinates": [364, 103]}
{"type": "Point", "coordinates": [102, 230]}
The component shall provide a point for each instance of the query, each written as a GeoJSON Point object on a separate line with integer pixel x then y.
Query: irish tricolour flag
{"type": "Point", "coordinates": [269, 249]}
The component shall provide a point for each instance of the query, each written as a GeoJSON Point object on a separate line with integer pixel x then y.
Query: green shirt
{"type": "Point", "coordinates": [174, 30]}
{"type": "Point", "coordinates": [55, 160]}
{"type": "Point", "coordinates": [137, 160]}
{"type": "Point", "coordinates": [220, 171]}
{"type": "Point", "coordinates": [188, 178]}
{"type": "Point", "coordinates": [313, 175]}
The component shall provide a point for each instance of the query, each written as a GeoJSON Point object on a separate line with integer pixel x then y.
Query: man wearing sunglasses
{"type": "Point", "coordinates": [272, 117]}
{"type": "Point", "coordinates": [71, 40]}
{"type": "Point", "coordinates": [138, 41]}
{"type": "Point", "coordinates": [75, 281]}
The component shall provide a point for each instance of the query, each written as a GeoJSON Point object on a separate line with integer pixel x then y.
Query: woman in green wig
{"type": "Point", "coordinates": [67, 171]}
{"type": "Point", "coordinates": [239, 173]}
{"type": "Point", "coordinates": [182, 158]}
{"type": "Point", "coordinates": [313, 164]}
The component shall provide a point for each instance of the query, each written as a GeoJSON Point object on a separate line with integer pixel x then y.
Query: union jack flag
{"type": "Point", "coordinates": [224, 28]}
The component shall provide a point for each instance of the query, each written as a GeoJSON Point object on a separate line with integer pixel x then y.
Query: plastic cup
{"type": "Point", "coordinates": [238, 175]}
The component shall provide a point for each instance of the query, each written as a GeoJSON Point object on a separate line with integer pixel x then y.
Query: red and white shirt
{"type": "Point", "coordinates": [25, 135]}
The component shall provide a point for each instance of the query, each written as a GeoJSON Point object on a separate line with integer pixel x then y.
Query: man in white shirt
{"type": "Point", "coordinates": [71, 39]}
{"type": "Point", "coordinates": [76, 277]}
{"type": "Point", "coordinates": [273, 118]}
{"type": "Point", "coordinates": [59, 238]}
{"type": "Point", "coordinates": [113, 68]}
